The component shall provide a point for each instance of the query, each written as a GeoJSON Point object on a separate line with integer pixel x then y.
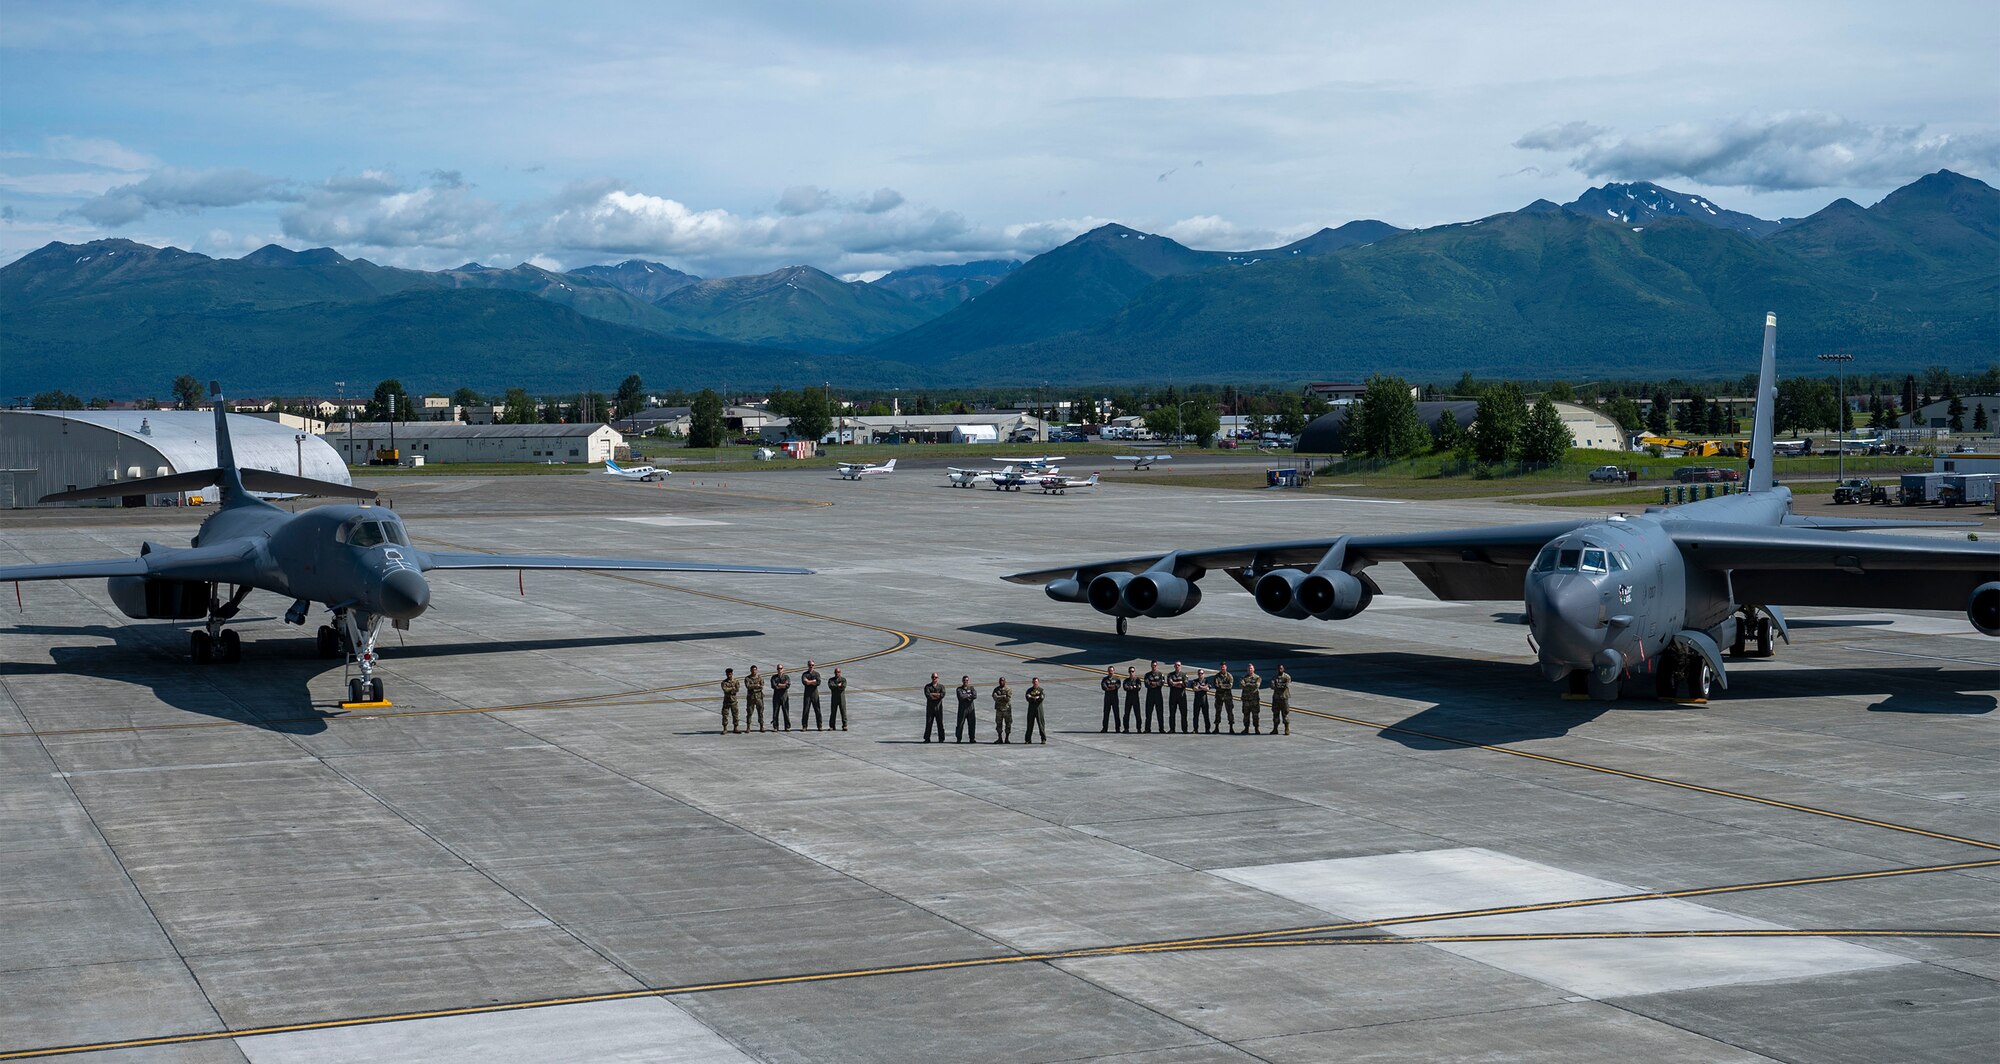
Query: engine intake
{"type": "Point", "coordinates": [1277, 593]}
{"type": "Point", "coordinates": [1983, 610]}
{"type": "Point", "coordinates": [1107, 595]}
{"type": "Point", "coordinates": [145, 599]}
{"type": "Point", "coordinates": [1161, 595]}
{"type": "Point", "coordinates": [1333, 596]}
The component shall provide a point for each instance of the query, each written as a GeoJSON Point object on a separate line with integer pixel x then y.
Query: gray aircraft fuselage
{"type": "Point", "coordinates": [341, 554]}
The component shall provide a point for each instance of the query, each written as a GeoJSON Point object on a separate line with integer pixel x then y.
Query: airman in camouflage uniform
{"type": "Point", "coordinates": [730, 685]}
{"type": "Point", "coordinates": [1225, 699]}
{"type": "Point", "coordinates": [1252, 710]}
{"type": "Point", "coordinates": [753, 690]}
{"type": "Point", "coordinates": [1003, 712]}
{"type": "Point", "coordinates": [1281, 702]}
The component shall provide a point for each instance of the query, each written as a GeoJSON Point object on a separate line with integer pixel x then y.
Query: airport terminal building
{"type": "Point", "coordinates": [47, 451]}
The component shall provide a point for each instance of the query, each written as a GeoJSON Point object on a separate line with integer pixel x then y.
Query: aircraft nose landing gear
{"type": "Point", "coordinates": [365, 690]}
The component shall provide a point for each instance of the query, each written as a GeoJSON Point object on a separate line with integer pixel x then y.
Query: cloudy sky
{"type": "Point", "coordinates": [740, 136]}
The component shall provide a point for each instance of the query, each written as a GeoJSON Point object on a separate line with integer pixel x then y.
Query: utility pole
{"type": "Point", "coordinates": [1840, 417]}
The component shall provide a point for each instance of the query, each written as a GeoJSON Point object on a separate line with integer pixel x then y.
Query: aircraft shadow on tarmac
{"type": "Point", "coordinates": [1489, 703]}
{"type": "Point", "coordinates": [270, 687]}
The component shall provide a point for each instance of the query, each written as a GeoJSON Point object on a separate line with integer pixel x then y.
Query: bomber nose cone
{"type": "Point", "coordinates": [1566, 622]}
{"type": "Point", "coordinates": [405, 594]}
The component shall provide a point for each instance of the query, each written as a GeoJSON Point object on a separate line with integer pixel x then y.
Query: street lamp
{"type": "Point", "coordinates": [1840, 418]}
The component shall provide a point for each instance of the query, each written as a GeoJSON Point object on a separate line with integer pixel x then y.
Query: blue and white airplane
{"type": "Point", "coordinates": [640, 472]}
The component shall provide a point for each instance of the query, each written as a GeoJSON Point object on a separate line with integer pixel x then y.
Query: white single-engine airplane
{"type": "Point", "coordinates": [1057, 484]}
{"type": "Point", "coordinates": [1006, 478]}
{"type": "Point", "coordinates": [641, 472]}
{"type": "Point", "coordinates": [1141, 461]}
{"type": "Point", "coordinates": [857, 470]}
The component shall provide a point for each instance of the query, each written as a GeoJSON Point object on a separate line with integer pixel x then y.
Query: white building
{"type": "Point", "coordinates": [1590, 428]}
{"type": "Point", "coordinates": [435, 442]}
{"type": "Point", "coordinates": [1938, 414]}
{"type": "Point", "coordinates": [47, 451]}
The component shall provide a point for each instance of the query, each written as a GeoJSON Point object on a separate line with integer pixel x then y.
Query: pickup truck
{"type": "Point", "coordinates": [1608, 474]}
{"type": "Point", "coordinates": [1854, 490]}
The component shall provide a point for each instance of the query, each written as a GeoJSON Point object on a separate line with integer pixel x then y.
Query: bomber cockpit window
{"type": "Point", "coordinates": [1545, 562]}
{"type": "Point", "coordinates": [1594, 561]}
{"type": "Point", "coordinates": [393, 532]}
{"type": "Point", "coordinates": [367, 534]}
{"type": "Point", "coordinates": [1619, 563]}
{"type": "Point", "coordinates": [1567, 559]}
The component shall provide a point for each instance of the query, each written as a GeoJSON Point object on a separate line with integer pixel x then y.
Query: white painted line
{"type": "Point", "coordinates": [1388, 885]}
{"type": "Point", "coordinates": [635, 1029]}
{"type": "Point", "coordinates": [669, 521]}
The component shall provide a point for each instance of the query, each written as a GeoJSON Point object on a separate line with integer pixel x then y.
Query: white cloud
{"type": "Point", "coordinates": [99, 151]}
{"type": "Point", "coordinates": [1788, 151]}
{"type": "Point", "coordinates": [1560, 136]}
{"type": "Point", "coordinates": [181, 191]}
{"type": "Point", "coordinates": [374, 209]}
{"type": "Point", "coordinates": [1211, 232]}
{"type": "Point", "coordinates": [803, 199]}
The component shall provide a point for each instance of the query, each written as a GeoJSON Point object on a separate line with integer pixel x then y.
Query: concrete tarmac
{"type": "Point", "coordinates": [546, 850]}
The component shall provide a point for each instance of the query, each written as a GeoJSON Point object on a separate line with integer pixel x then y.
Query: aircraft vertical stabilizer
{"type": "Point", "coordinates": [227, 476]}
{"type": "Point", "coordinates": [1761, 445]}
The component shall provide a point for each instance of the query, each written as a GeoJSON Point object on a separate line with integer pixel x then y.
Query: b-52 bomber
{"type": "Point", "coordinates": [1654, 595]}
{"type": "Point", "coordinates": [357, 561]}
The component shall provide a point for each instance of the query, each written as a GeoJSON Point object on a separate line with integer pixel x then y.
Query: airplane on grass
{"type": "Point", "coordinates": [1656, 595]}
{"type": "Point", "coordinates": [1142, 461]}
{"type": "Point", "coordinates": [1057, 484]}
{"type": "Point", "coordinates": [641, 472]}
{"type": "Point", "coordinates": [857, 470]}
{"type": "Point", "coordinates": [357, 561]}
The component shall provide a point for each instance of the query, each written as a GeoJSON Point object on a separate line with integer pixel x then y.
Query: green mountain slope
{"type": "Point", "coordinates": [940, 288]}
{"type": "Point", "coordinates": [797, 306]}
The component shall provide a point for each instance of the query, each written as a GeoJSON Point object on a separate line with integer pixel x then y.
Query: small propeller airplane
{"type": "Point", "coordinates": [857, 470]}
{"type": "Point", "coordinates": [1034, 466]}
{"type": "Point", "coordinates": [1006, 478]}
{"type": "Point", "coordinates": [1142, 461]}
{"type": "Point", "coordinates": [1057, 484]}
{"type": "Point", "coordinates": [639, 472]}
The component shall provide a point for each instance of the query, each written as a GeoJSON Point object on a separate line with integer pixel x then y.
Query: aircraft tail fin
{"type": "Point", "coordinates": [1762, 449]}
{"type": "Point", "coordinates": [226, 475]}
{"type": "Point", "coordinates": [611, 466]}
{"type": "Point", "coordinates": [889, 466]}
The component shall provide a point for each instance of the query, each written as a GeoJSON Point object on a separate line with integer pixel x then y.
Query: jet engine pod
{"type": "Point", "coordinates": [1107, 595]}
{"type": "Point", "coordinates": [1161, 595]}
{"type": "Point", "coordinates": [1067, 589]}
{"type": "Point", "coordinates": [1333, 596]}
{"type": "Point", "coordinates": [1278, 593]}
{"type": "Point", "coordinates": [159, 600]}
{"type": "Point", "coordinates": [1984, 608]}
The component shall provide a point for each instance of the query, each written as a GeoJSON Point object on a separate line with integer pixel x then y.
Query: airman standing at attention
{"type": "Point", "coordinates": [1252, 683]}
{"type": "Point", "coordinates": [934, 708]}
{"type": "Point", "coordinates": [809, 705]}
{"type": "Point", "coordinates": [1155, 708]}
{"type": "Point", "coordinates": [968, 719]}
{"type": "Point", "coordinates": [730, 685]}
{"type": "Point", "coordinates": [1129, 720]}
{"type": "Point", "coordinates": [836, 706]}
{"type": "Point", "coordinates": [1177, 710]}
{"type": "Point", "coordinates": [1109, 685]}
{"type": "Point", "coordinates": [1202, 721]}
{"type": "Point", "coordinates": [1281, 702]}
{"type": "Point", "coordinates": [753, 689]}
{"type": "Point", "coordinates": [1225, 699]}
{"type": "Point", "coordinates": [1035, 695]}
{"type": "Point", "coordinates": [781, 701]}
{"type": "Point", "coordinates": [1003, 712]}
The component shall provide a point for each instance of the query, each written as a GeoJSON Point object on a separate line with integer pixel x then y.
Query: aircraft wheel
{"type": "Point", "coordinates": [375, 689]}
{"type": "Point", "coordinates": [356, 690]}
{"type": "Point", "coordinates": [1699, 677]}
{"type": "Point", "coordinates": [328, 643]}
{"type": "Point", "coordinates": [200, 647]}
{"type": "Point", "coordinates": [1764, 637]}
{"type": "Point", "coordinates": [1601, 691]}
{"type": "Point", "coordinates": [1742, 642]}
{"type": "Point", "coordinates": [1666, 674]}
{"type": "Point", "coordinates": [229, 646]}
{"type": "Point", "coordinates": [1121, 626]}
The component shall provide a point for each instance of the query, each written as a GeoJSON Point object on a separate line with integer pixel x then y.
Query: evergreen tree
{"type": "Point", "coordinates": [1626, 413]}
{"type": "Point", "coordinates": [1383, 422]}
{"type": "Point", "coordinates": [1466, 388]}
{"type": "Point", "coordinates": [1448, 434]}
{"type": "Point", "coordinates": [1561, 392]}
{"type": "Point", "coordinates": [1545, 440]}
{"type": "Point", "coordinates": [466, 397]}
{"type": "Point", "coordinates": [705, 426]}
{"type": "Point", "coordinates": [1656, 418]}
{"type": "Point", "coordinates": [1496, 428]}
{"type": "Point", "coordinates": [518, 408]}
{"type": "Point", "coordinates": [1954, 410]}
{"type": "Point", "coordinates": [1979, 422]}
{"type": "Point", "coordinates": [379, 407]}
{"type": "Point", "coordinates": [1693, 417]}
{"type": "Point", "coordinates": [56, 399]}
{"type": "Point", "coordinates": [631, 396]}
{"type": "Point", "coordinates": [187, 392]}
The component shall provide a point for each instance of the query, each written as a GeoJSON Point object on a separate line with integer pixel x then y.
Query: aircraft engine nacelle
{"type": "Point", "coordinates": [1107, 595]}
{"type": "Point", "coordinates": [1068, 589]}
{"type": "Point", "coordinates": [146, 599]}
{"type": "Point", "coordinates": [1278, 593]}
{"type": "Point", "coordinates": [1333, 596]}
{"type": "Point", "coordinates": [1161, 595]}
{"type": "Point", "coordinates": [1984, 608]}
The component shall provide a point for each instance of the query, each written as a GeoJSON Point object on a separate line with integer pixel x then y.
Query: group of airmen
{"type": "Point", "coordinates": [751, 688]}
{"type": "Point", "coordinates": [1170, 713]}
{"type": "Point", "coordinates": [1165, 705]}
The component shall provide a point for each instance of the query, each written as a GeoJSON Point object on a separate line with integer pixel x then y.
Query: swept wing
{"type": "Point", "coordinates": [1821, 567]}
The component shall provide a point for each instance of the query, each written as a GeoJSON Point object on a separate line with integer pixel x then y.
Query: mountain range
{"type": "Point", "coordinates": [1624, 280]}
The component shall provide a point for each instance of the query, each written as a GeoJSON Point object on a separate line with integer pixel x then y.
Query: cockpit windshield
{"type": "Point", "coordinates": [363, 532]}
{"type": "Point", "coordinates": [1545, 562]}
{"type": "Point", "coordinates": [1567, 559]}
{"type": "Point", "coordinates": [1594, 561]}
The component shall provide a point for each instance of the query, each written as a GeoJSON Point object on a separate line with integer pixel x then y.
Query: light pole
{"type": "Point", "coordinates": [1180, 418]}
{"type": "Point", "coordinates": [1840, 417]}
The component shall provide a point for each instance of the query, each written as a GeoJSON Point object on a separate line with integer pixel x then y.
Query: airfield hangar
{"type": "Point", "coordinates": [450, 442]}
{"type": "Point", "coordinates": [1327, 434]}
{"type": "Point", "coordinates": [46, 451]}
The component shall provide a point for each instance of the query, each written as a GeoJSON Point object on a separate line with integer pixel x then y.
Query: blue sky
{"type": "Point", "coordinates": [739, 137]}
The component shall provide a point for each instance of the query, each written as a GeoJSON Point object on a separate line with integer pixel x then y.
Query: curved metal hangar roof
{"type": "Point", "coordinates": [54, 450]}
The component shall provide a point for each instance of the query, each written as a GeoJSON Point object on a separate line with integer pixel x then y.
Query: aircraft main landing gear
{"type": "Point", "coordinates": [1121, 626]}
{"type": "Point", "coordinates": [213, 642]}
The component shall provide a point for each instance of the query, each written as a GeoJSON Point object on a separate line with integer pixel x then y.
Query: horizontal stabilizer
{"type": "Point", "coordinates": [194, 480]}
{"type": "Point", "coordinates": [267, 480]}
